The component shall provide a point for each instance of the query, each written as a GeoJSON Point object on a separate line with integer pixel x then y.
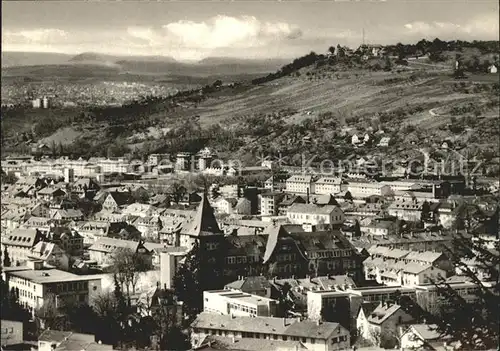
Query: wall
{"type": "Point", "coordinates": [12, 332]}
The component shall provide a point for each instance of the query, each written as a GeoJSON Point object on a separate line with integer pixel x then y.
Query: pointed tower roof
{"type": "Point", "coordinates": [204, 222]}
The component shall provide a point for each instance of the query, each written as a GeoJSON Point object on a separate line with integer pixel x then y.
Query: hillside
{"type": "Point", "coordinates": [16, 59]}
{"type": "Point", "coordinates": [417, 104]}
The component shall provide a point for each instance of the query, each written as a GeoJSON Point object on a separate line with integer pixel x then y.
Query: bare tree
{"type": "Point", "coordinates": [128, 266]}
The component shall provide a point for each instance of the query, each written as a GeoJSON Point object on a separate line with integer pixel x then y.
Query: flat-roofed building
{"type": "Point", "coordinates": [37, 284]}
{"type": "Point", "coordinates": [237, 303]}
{"type": "Point", "coordinates": [318, 301]}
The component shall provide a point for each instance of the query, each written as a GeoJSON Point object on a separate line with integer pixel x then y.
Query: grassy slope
{"type": "Point", "coordinates": [356, 93]}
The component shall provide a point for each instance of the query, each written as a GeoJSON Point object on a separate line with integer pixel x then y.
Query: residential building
{"type": "Point", "coordinates": [313, 214]}
{"type": "Point", "coordinates": [384, 142]}
{"type": "Point", "coordinates": [300, 184]}
{"type": "Point", "coordinates": [50, 194]}
{"type": "Point", "coordinates": [381, 325]}
{"type": "Point", "coordinates": [255, 285]}
{"type": "Point", "coordinates": [408, 211]}
{"type": "Point", "coordinates": [239, 304]}
{"type": "Point", "coordinates": [431, 299]}
{"type": "Point", "coordinates": [364, 188]}
{"type": "Point", "coordinates": [115, 200]}
{"type": "Point", "coordinates": [336, 298]}
{"type": "Point", "coordinates": [315, 336]}
{"type": "Point", "coordinates": [269, 202]}
{"type": "Point", "coordinates": [291, 251]}
{"type": "Point", "coordinates": [379, 228]}
{"type": "Point", "coordinates": [102, 250]}
{"type": "Point", "coordinates": [50, 254]}
{"type": "Point", "coordinates": [327, 185]}
{"type": "Point", "coordinates": [36, 284]}
{"type": "Point", "coordinates": [55, 340]}
{"type": "Point", "coordinates": [19, 244]}
{"type": "Point", "coordinates": [67, 239]}
{"type": "Point", "coordinates": [425, 336]}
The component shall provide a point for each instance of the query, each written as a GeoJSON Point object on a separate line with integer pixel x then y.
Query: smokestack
{"type": "Point", "coordinates": [307, 196]}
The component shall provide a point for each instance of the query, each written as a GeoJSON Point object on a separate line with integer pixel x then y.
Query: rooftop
{"type": "Point", "coordinates": [47, 276]}
{"type": "Point", "coordinates": [266, 325]}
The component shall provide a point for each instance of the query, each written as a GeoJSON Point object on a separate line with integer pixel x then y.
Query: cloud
{"type": "Point", "coordinates": [44, 36]}
{"type": "Point", "coordinates": [184, 40]}
{"type": "Point", "coordinates": [482, 27]}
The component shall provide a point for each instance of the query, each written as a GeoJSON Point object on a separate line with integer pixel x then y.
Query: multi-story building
{"type": "Point", "coordinates": [50, 254]}
{"type": "Point", "coordinates": [300, 184]}
{"type": "Point", "coordinates": [290, 252]}
{"type": "Point", "coordinates": [380, 326]}
{"type": "Point", "coordinates": [315, 336]}
{"type": "Point", "coordinates": [239, 304]}
{"type": "Point", "coordinates": [102, 250]}
{"type": "Point", "coordinates": [269, 203]}
{"type": "Point", "coordinates": [37, 284]}
{"type": "Point", "coordinates": [19, 244]}
{"type": "Point", "coordinates": [313, 214]}
{"type": "Point", "coordinates": [410, 211]}
{"type": "Point", "coordinates": [364, 188]}
{"type": "Point", "coordinates": [346, 301]}
{"type": "Point", "coordinates": [327, 185]}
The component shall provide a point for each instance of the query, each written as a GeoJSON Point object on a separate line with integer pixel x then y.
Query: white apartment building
{"type": "Point", "coordinates": [314, 335]}
{"type": "Point", "coordinates": [300, 184]}
{"type": "Point", "coordinates": [327, 185]}
{"type": "Point", "coordinates": [362, 189]}
{"type": "Point", "coordinates": [314, 215]}
{"type": "Point", "coordinates": [239, 304]}
{"type": "Point", "coordinates": [269, 203]}
{"type": "Point", "coordinates": [36, 284]}
{"type": "Point", "coordinates": [318, 300]}
{"type": "Point", "coordinates": [401, 185]}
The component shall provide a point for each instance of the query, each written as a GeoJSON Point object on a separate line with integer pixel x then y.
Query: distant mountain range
{"type": "Point", "coordinates": [142, 65]}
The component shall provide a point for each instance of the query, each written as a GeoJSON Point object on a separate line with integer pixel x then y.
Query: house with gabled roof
{"type": "Point", "coordinates": [20, 242]}
{"type": "Point", "coordinates": [426, 337]}
{"type": "Point", "coordinates": [315, 336]}
{"type": "Point", "coordinates": [55, 340]}
{"type": "Point", "coordinates": [51, 254]}
{"type": "Point", "coordinates": [102, 250]}
{"type": "Point", "coordinates": [381, 325]}
{"type": "Point", "coordinates": [313, 214]}
{"type": "Point", "coordinates": [115, 200]}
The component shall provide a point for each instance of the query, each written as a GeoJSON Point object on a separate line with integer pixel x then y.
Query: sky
{"type": "Point", "coordinates": [192, 30]}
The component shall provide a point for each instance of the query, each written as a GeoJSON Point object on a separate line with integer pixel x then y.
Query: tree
{"type": "Point", "coordinates": [348, 196]}
{"type": "Point", "coordinates": [177, 190]}
{"type": "Point", "coordinates": [331, 50]}
{"type": "Point", "coordinates": [426, 211]}
{"type": "Point", "coordinates": [187, 283]}
{"type": "Point", "coordinates": [286, 303]}
{"type": "Point", "coordinates": [388, 64]}
{"type": "Point", "coordinates": [357, 229]}
{"type": "Point", "coordinates": [127, 267]}
{"type": "Point", "coordinates": [6, 259]}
